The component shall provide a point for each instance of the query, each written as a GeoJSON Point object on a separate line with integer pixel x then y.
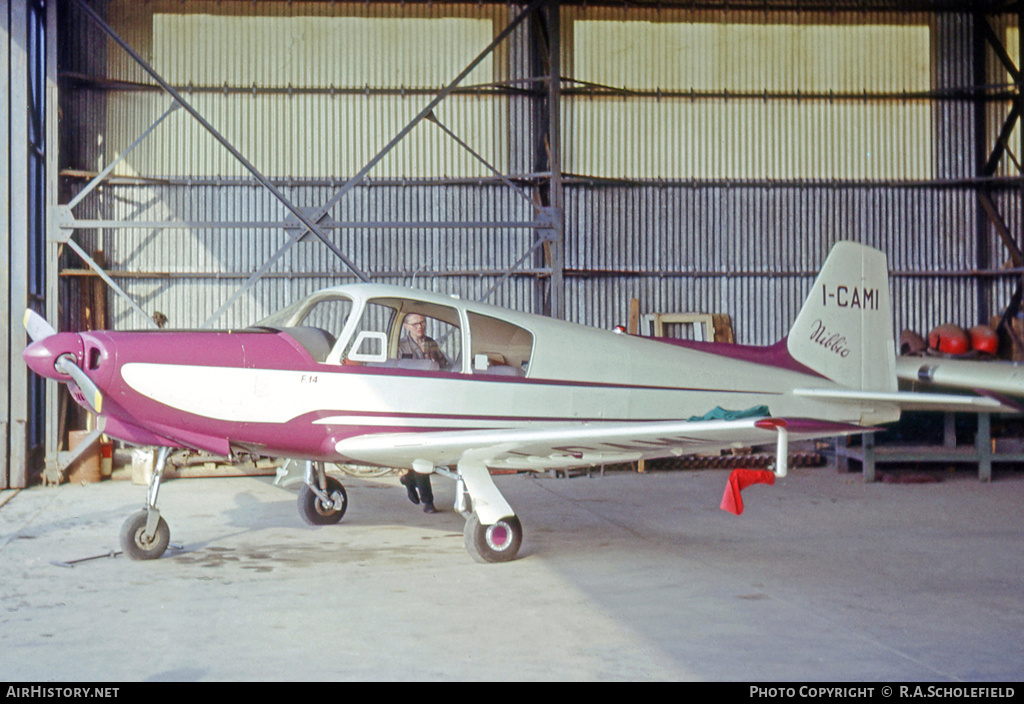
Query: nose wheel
{"type": "Point", "coordinates": [139, 542]}
{"type": "Point", "coordinates": [145, 535]}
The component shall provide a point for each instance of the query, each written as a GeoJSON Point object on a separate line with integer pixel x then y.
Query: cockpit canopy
{"type": "Point", "coordinates": [388, 327]}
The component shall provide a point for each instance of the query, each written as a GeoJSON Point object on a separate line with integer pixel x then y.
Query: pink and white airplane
{"type": "Point", "coordinates": [330, 379]}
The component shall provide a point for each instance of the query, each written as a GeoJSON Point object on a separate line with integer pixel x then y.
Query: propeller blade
{"type": "Point", "coordinates": [36, 326]}
{"type": "Point", "coordinates": [66, 364]}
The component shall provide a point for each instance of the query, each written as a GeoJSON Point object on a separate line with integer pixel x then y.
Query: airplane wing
{"type": "Point", "coordinates": [991, 376]}
{"type": "Point", "coordinates": [579, 445]}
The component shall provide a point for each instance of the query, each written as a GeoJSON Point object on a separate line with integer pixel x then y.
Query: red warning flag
{"type": "Point", "coordinates": [739, 480]}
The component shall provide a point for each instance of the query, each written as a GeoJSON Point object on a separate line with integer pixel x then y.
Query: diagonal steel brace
{"type": "Point", "coordinates": [425, 113]}
{"type": "Point", "coordinates": [263, 180]}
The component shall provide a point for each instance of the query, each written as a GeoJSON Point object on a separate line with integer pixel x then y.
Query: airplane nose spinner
{"type": "Point", "coordinates": [59, 356]}
{"type": "Point", "coordinates": [43, 356]}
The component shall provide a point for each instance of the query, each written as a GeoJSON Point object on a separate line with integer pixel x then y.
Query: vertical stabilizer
{"type": "Point", "coordinates": [844, 330]}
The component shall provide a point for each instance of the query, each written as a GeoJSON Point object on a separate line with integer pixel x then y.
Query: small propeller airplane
{"type": "Point", "coordinates": [332, 379]}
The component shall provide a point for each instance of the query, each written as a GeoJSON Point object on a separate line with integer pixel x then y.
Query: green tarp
{"type": "Point", "coordinates": [719, 413]}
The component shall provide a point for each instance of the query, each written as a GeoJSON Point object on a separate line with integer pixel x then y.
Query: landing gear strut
{"type": "Point", "coordinates": [145, 535]}
{"type": "Point", "coordinates": [492, 532]}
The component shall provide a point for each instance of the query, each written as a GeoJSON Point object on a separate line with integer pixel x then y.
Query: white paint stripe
{"type": "Point", "coordinates": [408, 422]}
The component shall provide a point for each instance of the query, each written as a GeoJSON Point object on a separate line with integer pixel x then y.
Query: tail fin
{"type": "Point", "coordinates": [844, 330]}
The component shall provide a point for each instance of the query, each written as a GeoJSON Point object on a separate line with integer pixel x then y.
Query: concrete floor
{"type": "Point", "coordinates": [621, 577]}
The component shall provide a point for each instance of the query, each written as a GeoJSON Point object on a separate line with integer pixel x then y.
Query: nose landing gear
{"type": "Point", "coordinates": [145, 535]}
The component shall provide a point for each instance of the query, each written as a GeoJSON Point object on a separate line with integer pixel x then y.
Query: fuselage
{"type": "Point", "coordinates": [269, 392]}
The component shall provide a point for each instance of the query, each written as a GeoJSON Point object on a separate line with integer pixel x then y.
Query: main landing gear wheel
{"type": "Point", "coordinates": [315, 511]}
{"type": "Point", "coordinates": [136, 544]}
{"type": "Point", "coordinates": [495, 543]}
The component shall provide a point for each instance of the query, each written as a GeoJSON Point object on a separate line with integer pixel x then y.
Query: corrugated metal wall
{"type": "Point", "coordinates": [768, 136]}
{"type": "Point", "coordinates": [192, 272]}
{"type": "Point", "coordinates": [310, 90]}
{"type": "Point", "coordinates": [309, 93]}
{"type": "Point", "coordinates": [753, 251]}
{"type": "Point", "coordinates": [748, 94]}
{"type": "Point", "coordinates": [709, 177]}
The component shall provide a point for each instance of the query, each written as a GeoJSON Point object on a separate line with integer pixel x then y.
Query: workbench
{"type": "Point", "coordinates": [982, 452]}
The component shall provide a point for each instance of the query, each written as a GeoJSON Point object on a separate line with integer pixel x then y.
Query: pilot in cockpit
{"type": "Point", "coordinates": [416, 344]}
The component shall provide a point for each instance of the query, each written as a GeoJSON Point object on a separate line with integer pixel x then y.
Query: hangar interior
{"type": "Point", "coordinates": [201, 163]}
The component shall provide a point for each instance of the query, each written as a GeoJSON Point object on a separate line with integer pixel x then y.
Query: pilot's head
{"type": "Point", "coordinates": [416, 325]}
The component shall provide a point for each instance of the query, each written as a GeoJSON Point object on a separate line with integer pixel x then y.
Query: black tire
{"type": "Point", "coordinates": [495, 543]}
{"type": "Point", "coordinates": [134, 543]}
{"type": "Point", "coordinates": [312, 509]}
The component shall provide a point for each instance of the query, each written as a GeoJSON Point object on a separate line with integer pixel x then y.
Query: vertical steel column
{"type": "Point", "coordinates": [28, 64]}
{"type": "Point", "coordinates": [34, 387]}
{"type": "Point", "coordinates": [980, 139]}
{"type": "Point", "coordinates": [51, 248]}
{"type": "Point", "coordinates": [1019, 87]}
{"type": "Point", "coordinates": [17, 239]}
{"type": "Point", "coordinates": [5, 264]}
{"type": "Point", "coordinates": [549, 153]}
{"type": "Point", "coordinates": [988, 162]}
{"type": "Point", "coordinates": [557, 203]}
